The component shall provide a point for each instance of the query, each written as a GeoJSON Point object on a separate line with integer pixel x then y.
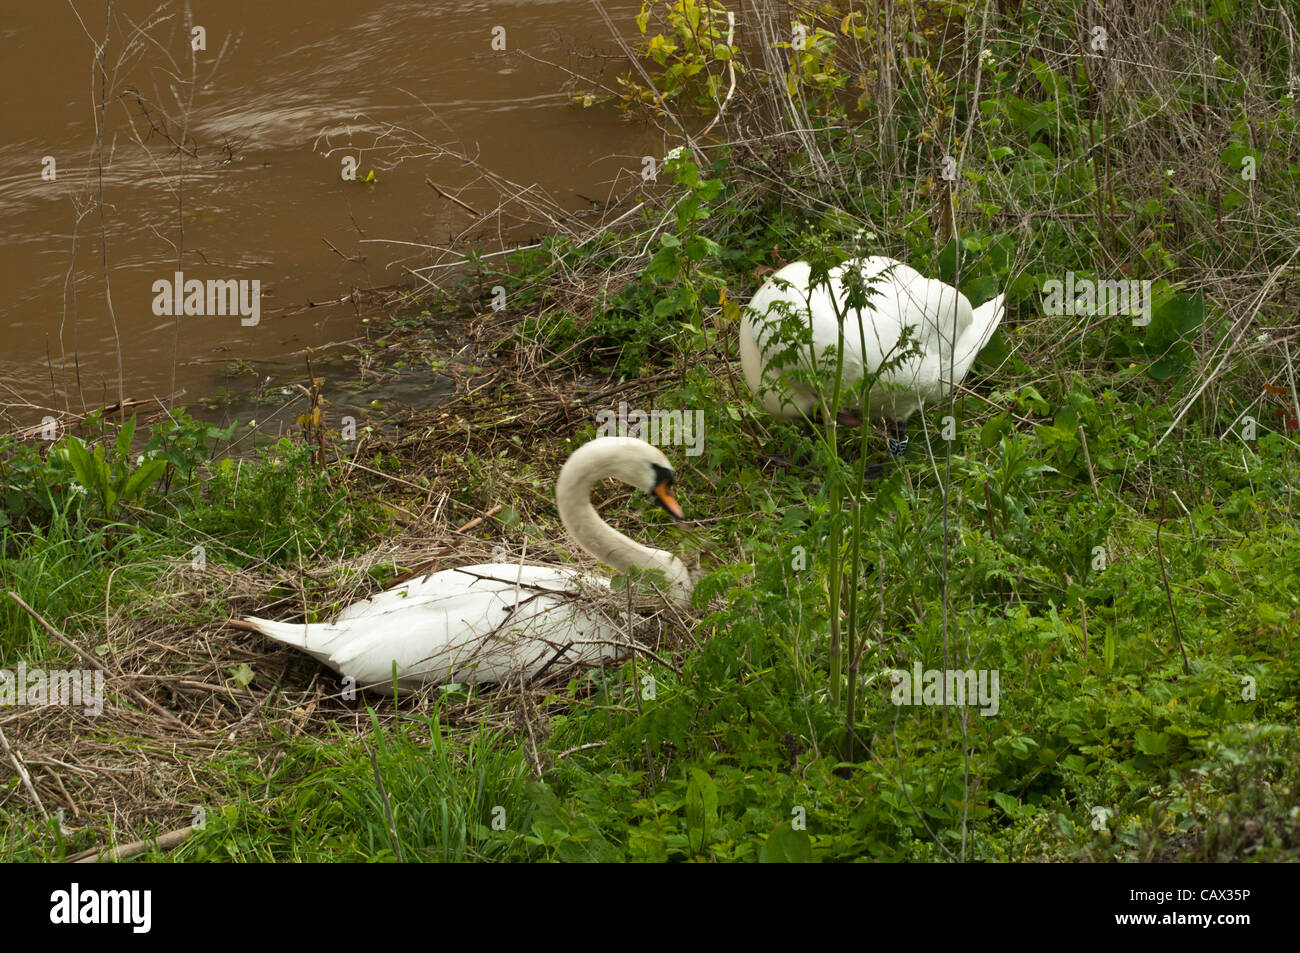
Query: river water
{"type": "Point", "coordinates": [284, 97]}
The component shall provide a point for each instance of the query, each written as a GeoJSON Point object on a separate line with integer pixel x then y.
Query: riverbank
{"type": "Point", "coordinates": [1106, 522]}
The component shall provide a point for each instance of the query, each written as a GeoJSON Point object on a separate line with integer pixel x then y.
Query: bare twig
{"type": "Point", "coordinates": [162, 842]}
{"type": "Point", "coordinates": [23, 776]}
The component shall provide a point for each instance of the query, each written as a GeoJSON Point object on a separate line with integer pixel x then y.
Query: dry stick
{"type": "Point", "coordinates": [731, 69]}
{"type": "Point", "coordinates": [97, 664]}
{"type": "Point", "coordinates": [479, 519]}
{"type": "Point", "coordinates": [907, 796]}
{"type": "Point", "coordinates": [1092, 477]}
{"type": "Point", "coordinates": [453, 264]}
{"type": "Point", "coordinates": [101, 121]}
{"type": "Point", "coordinates": [636, 686]}
{"type": "Point", "coordinates": [952, 360]}
{"type": "Point", "coordinates": [528, 726]}
{"type": "Point", "coordinates": [386, 476]}
{"type": "Point", "coordinates": [424, 568]}
{"type": "Point", "coordinates": [636, 61]}
{"type": "Point", "coordinates": [70, 285]}
{"type": "Point", "coordinates": [180, 192]}
{"type": "Point", "coordinates": [1083, 610]}
{"type": "Point", "coordinates": [451, 198]}
{"type": "Point", "coordinates": [1178, 632]}
{"type": "Point", "coordinates": [75, 419]}
{"type": "Point", "coordinates": [162, 842]}
{"type": "Point", "coordinates": [354, 259]}
{"type": "Point", "coordinates": [1290, 373]}
{"type": "Point", "coordinates": [1236, 337]}
{"type": "Point", "coordinates": [22, 774]}
{"type": "Point", "coordinates": [67, 798]}
{"type": "Point", "coordinates": [589, 745]}
{"type": "Point", "coordinates": [637, 649]}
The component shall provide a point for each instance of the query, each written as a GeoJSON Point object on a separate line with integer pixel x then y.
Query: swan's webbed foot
{"type": "Point", "coordinates": [897, 438]}
{"type": "Point", "coordinates": [897, 450]}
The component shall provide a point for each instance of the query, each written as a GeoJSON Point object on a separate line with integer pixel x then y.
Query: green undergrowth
{"type": "Point", "coordinates": [1116, 542]}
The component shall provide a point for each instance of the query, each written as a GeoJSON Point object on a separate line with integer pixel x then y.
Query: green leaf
{"type": "Point", "coordinates": [574, 837]}
{"type": "Point", "coordinates": [1151, 742]}
{"type": "Point", "coordinates": [1166, 368]}
{"type": "Point", "coordinates": [124, 437]}
{"type": "Point", "coordinates": [83, 464]}
{"type": "Point", "coordinates": [993, 430]}
{"type": "Point", "coordinates": [148, 474]}
{"type": "Point", "coordinates": [980, 289]}
{"type": "Point", "coordinates": [1008, 804]}
{"type": "Point", "coordinates": [785, 845]}
{"type": "Point", "coordinates": [1052, 83]}
{"type": "Point", "coordinates": [701, 809]}
{"type": "Point", "coordinates": [1175, 319]}
{"type": "Point", "coordinates": [241, 674]}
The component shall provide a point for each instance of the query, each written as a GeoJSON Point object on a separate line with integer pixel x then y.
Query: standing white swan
{"type": "Point", "coordinates": [501, 621]}
{"type": "Point", "coordinates": [898, 297]}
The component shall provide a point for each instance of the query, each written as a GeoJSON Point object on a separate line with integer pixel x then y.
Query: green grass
{"type": "Point", "coordinates": [450, 800]}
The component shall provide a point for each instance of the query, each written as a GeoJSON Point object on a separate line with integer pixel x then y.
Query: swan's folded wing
{"type": "Point", "coordinates": [481, 578]}
{"type": "Point", "coordinates": [492, 633]}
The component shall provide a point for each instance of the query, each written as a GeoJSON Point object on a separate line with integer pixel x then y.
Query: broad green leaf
{"type": "Point", "coordinates": [124, 437]}
{"type": "Point", "coordinates": [148, 473]}
{"type": "Point", "coordinates": [1005, 801]}
{"type": "Point", "coordinates": [785, 845]}
{"type": "Point", "coordinates": [701, 809]}
{"type": "Point", "coordinates": [1151, 742]}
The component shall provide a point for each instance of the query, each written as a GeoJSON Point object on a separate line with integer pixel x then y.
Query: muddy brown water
{"type": "Point", "coordinates": [282, 95]}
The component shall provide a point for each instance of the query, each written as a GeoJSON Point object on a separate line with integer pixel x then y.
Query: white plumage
{"type": "Point", "coordinates": [497, 622]}
{"type": "Point", "coordinates": [898, 296]}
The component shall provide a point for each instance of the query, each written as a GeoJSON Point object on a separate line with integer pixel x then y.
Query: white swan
{"type": "Point", "coordinates": [500, 621]}
{"type": "Point", "coordinates": [898, 297]}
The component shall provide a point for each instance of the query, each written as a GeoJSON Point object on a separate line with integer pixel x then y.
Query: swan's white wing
{"type": "Point", "coordinates": [899, 297]}
{"type": "Point", "coordinates": [782, 294]}
{"type": "Point", "coordinates": [449, 582]}
{"type": "Point", "coordinates": [938, 315]}
{"type": "Point", "coordinates": [486, 623]}
{"type": "Point", "coordinates": [489, 635]}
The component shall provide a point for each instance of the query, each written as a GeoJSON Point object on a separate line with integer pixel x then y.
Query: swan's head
{"type": "Point", "coordinates": [637, 464]}
{"type": "Point", "coordinates": [629, 459]}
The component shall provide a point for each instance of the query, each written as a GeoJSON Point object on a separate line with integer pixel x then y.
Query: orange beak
{"type": "Point", "coordinates": [666, 500]}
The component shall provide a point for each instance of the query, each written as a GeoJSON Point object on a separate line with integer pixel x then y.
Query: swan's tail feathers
{"type": "Point", "coordinates": [292, 634]}
{"type": "Point", "coordinates": [988, 316]}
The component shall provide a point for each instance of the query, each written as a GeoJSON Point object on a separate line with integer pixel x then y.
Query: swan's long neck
{"type": "Point", "coordinates": [602, 541]}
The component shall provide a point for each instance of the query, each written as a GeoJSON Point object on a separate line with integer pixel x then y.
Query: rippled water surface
{"type": "Point", "coordinates": [282, 94]}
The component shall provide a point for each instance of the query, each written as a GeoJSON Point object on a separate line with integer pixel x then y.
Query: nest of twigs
{"type": "Point", "coordinates": [177, 695]}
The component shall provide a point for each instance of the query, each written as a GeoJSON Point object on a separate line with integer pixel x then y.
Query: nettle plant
{"type": "Point", "coordinates": [687, 62]}
{"type": "Point", "coordinates": [684, 285]}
